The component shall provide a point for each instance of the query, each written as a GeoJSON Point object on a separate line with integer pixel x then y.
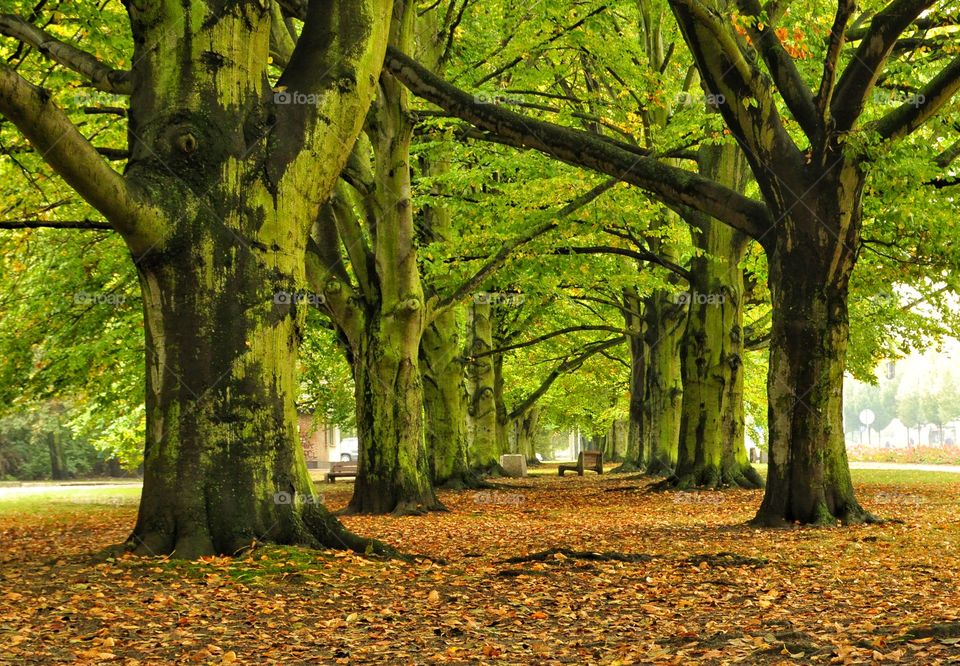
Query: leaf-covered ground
{"type": "Point", "coordinates": [631, 577]}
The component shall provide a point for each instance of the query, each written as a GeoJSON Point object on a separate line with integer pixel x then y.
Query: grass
{"type": "Point", "coordinates": [77, 498]}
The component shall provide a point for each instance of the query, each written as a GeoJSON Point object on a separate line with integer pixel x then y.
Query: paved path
{"type": "Point", "coordinates": [955, 469]}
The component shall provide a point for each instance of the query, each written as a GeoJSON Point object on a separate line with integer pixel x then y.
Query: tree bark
{"type": "Point", "coordinates": [394, 472]}
{"type": "Point", "coordinates": [637, 454]}
{"type": "Point", "coordinates": [233, 175]}
{"type": "Point", "coordinates": [484, 448]}
{"type": "Point", "coordinates": [712, 449]}
{"type": "Point", "coordinates": [808, 476]}
{"type": "Point", "coordinates": [664, 318]}
{"type": "Point", "coordinates": [445, 403]}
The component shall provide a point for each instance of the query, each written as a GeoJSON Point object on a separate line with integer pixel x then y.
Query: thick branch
{"type": "Point", "coordinates": [569, 365]}
{"type": "Point", "coordinates": [674, 186]}
{"type": "Point", "coordinates": [66, 150]}
{"type": "Point", "coordinates": [845, 9]}
{"type": "Point", "coordinates": [504, 253]}
{"type": "Point", "coordinates": [91, 225]}
{"type": "Point", "coordinates": [862, 72]}
{"type": "Point", "coordinates": [907, 117]}
{"type": "Point", "coordinates": [791, 86]}
{"type": "Point", "coordinates": [101, 76]}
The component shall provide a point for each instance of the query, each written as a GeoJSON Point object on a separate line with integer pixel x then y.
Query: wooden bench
{"type": "Point", "coordinates": [587, 460]}
{"type": "Point", "coordinates": [339, 469]}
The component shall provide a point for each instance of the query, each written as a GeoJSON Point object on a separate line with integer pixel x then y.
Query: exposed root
{"type": "Point", "coordinates": [725, 559]}
{"type": "Point", "coordinates": [551, 554]}
{"type": "Point", "coordinates": [626, 467]}
{"type": "Point", "coordinates": [412, 508]}
{"type": "Point", "coordinates": [469, 480]}
{"type": "Point", "coordinates": [657, 467]}
{"type": "Point", "coordinates": [821, 516]}
{"type": "Point", "coordinates": [712, 478]}
{"type": "Point", "coordinates": [939, 630]}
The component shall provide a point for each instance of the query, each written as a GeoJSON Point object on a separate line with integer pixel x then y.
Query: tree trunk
{"type": "Point", "coordinates": [663, 333]}
{"type": "Point", "coordinates": [484, 449]}
{"type": "Point", "coordinates": [527, 427]}
{"type": "Point", "coordinates": [223, 467]}
{"type": "Point", "coordinates": [499, 400]}
{"type": "Point", "coordinates": [58, 463]}
{"type": "Point", "coordinates": [636, 455]}
{"type": "Point", "coordinates": [712, 449]}
{"type": "Point", "coordinates": [445, 406]}
{"type": "Point", "coordinates": [393, 474]}
{"type": "Point", "coordinates": [234, 176]}
{"type": "Point", "coordinates": [808, 476]}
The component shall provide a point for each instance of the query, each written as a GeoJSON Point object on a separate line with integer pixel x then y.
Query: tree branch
{"type": "Point", "coordinates": [62, 146]}
{"type": "Point", "coordinates": [909, 116]}
{"type": "Point", "coordinates": [101, 76]}
{"type": "Point", "coordinates": [504, 253]}
{"type": "Point", "coordinates": [91, 225]}
{"type": "Point", "coordinates": [861, 74]}
{"type": "Point", "coordinates": [674, 186]}
{"type": "Point", "coordinates": [569, 365]}
{"type": "Point", "coordinates": [791, 86]}
{"type": "Point", "coordinates": [639, 255]}
{"type": "Point", "coordinates": [547, 336]}
{"type": "Point", "coordinates": [845, 9]}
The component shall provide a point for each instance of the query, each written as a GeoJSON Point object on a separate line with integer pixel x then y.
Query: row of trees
{"type": "Point", "coordinates": [291, 173]}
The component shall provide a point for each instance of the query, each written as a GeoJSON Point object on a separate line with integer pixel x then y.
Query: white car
{"type": "Point", "coordinates": [349, 449]}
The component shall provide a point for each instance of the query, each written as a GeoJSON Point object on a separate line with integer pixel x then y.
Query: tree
{"type": "Point", "coordinates": [811, 172]}
{"type": "Point", "coordinates": [224, 180]}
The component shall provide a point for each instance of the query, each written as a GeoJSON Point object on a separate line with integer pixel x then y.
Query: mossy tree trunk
{"type": "Point", "coordinates": [637, 453]}
{"type": "Point", "coordinates": [664, 315]}
{"type": "Point", "coordinates": [808, 477]}
{"type": "Point", "coordinates": [223, 182]}
{"type": "Point", "coordinates": [445, 403]}
{"type": "Point", "coordinates": [379, 306]}
{"type": "Point", "coordinates": [712, 451]}
{"type": "Point", "coordinates": [441, 352]}
{"type": "Point", "coordinates": [483, 444]}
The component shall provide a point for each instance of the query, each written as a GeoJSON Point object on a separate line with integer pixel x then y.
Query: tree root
{"type": "Point", "coordinates": [939, 630]}
{"type": "Point", "coordinates": [606, 556]}
{"type": "Point", "coordinates": [468, 480]}
{"type": "Point", "coordinates": [726, 559]}
{"type": "Point", "coordinates": [711, 478]}
{"type": "Point", "coordinates": [657, 467]}
{"type": "Point", "coordinates": [626, 467]}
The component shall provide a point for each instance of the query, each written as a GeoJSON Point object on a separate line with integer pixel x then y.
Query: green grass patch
{"type": "Point", "coordinates": [74, 498]}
